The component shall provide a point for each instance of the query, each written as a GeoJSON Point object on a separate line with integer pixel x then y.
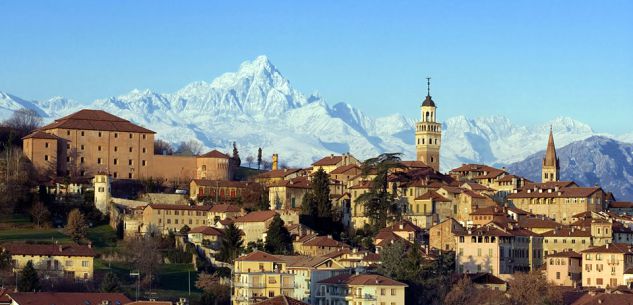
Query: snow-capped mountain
{"type": "Point", "coordinates": [594, 161]}
{"type": "Point", "coordinates": [258, 107]}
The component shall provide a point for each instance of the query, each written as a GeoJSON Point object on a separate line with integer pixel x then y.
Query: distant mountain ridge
{"type": "Point", "coordinates": [596, 160]}
{"type": "Point", "coordinates": [257, 106]}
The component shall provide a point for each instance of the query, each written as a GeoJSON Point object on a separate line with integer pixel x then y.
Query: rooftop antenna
{"type": "Point", "coordinates": [428, 86]}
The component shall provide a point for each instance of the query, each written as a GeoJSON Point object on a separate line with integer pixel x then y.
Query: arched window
{"type": "Point", "coordinates": [422, 141]}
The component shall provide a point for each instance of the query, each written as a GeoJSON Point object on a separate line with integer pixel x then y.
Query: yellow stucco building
{"type": "Point", "coordinates": [56, 260]}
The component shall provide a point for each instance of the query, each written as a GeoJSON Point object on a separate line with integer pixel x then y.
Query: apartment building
{"type": "Point", "coordinates": [173, 217]}
{"type": "Point", "coordinates": [55, 260]}
{"type": "Point", "coordinates": [564, 268]}
{"type": "Point", "coordinates": [360, 289]}
{"type": "Point", "coordinates": [605, 266]}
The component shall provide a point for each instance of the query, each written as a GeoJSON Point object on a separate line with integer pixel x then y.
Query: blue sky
{"type": "Point", "coordinates": [528, 60]}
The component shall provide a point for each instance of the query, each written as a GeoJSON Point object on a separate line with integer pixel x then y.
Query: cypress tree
{"type": "Point", "coordinates": [110, 283]}
{"type": "Point", "coordinates": [29, 280]}
{"type": "Point", "coordinates": [259, 158]}
{"type": "Point", "coordinates": [231, 244]}
{"type": "Point", "coordinates": [278, 240]}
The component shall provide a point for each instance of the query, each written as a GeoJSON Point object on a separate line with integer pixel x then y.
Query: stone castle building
{"type": "Point", "coordinates": [88, 142]}
{"type": "Point", "coordinates": [428, 133]}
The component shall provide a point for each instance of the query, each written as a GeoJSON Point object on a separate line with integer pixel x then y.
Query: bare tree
{"type": "Point", "coordinates": [143, 252]}
{"type": "Point", "coordinates": [40, 213]}
{"type": "Point", "coordinates": [24, 121]}
{"type": "Point", "coordinates": [249, 160]}
{"type": "Point", "coordinates": [532, 289]}
{"type": "Point", "coordinates": [163, 147]}
{"type": "Point", "coordinates": [189, 148]}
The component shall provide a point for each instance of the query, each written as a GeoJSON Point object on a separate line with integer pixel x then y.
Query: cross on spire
{"type": "Point", "coordinates": [428, 86]}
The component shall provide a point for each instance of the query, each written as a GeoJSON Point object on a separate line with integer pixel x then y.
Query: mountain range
{"type": "Point", "coordinates": [256, 106]}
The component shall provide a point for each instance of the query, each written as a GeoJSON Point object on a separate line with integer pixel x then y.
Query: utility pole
{"type": "Point", "coordinates": [189, 281]}
{"type": "Point", "coordinates": [138, 282]}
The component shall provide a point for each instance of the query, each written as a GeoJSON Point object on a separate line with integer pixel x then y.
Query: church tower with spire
{"type": "Point", "coordinates": [428, 133]}
{"type": "Point", "coordinates": [551, 166]}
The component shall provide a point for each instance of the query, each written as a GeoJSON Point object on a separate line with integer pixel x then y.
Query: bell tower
{"type": "Point", "coordinates": [551, 165]}
{"type": "Point", "coordinates": [428, 132]}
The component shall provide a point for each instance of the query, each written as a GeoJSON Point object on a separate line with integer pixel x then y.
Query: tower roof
{"type": "Point", "coordinates": [550, 154]}
{"type": "Point", "coordinates": [428, 101]}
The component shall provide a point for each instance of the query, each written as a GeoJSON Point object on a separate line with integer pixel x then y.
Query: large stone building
{"type": "Point", "coordinates": [91, 141]}
{"type": "Point", "coordinates": [69, 260]}
{"type": "Point", "coordinates": [428, 134]}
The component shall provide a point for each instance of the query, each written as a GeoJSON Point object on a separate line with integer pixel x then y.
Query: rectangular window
{"type": "Point", "coordinates": [99, 148]}
{"type": "Point", "coordinates": [116, 135]}
{"type": "Point", "coordinates": [115, 174]}
{"type": "Point", "coordinates": [82, 147]}
{"type": "Point", "coordinates": [130, 148]}
{"type": "Point", "coordinates": [144, 149]}
{"type": "Point", "coordinates": [85, 263]}
{"type": "Point", "coordinates": [45, 157]}
{"type": "Point", "coordinates": [144, 137]}
{"type": "Point", "coordinates": [130, 136]}
{"type": "Point", "coordinates": [98, 160]}
{"type": "Point", "coordinates": [81, 160]}
{"type": "Point", "coordinates": [115, 161]}
{"type": "Point", "coordinates": [143, 162]}
{"type": "Point", "coordinates": [129, 175]}
{"type": "Point", "coordinates": [46, 144]}
{"type": "Point", "coordinates": [99, 134]}
{"type": "Point", "coordinates": [82, 133]}
{"type": "Point", "coordinates": [129, 162]}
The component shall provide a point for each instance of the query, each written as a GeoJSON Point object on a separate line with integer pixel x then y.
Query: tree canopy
{"type": "Point", "coordinates": [278, 239]}
{"type": "Point", "coordinates": [231, 244]}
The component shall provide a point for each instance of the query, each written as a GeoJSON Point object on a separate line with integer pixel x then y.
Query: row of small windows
{"type": "Point", "coordinates": [100, 161]}
{"type": "Point", "coordinates": [423, 127]}
{"type": "Point", "coordinates": [116, 148]}
{"type": "Point", "coordinates": [116, 134]}
{"type": "Point", "coordinates": [430, 141]}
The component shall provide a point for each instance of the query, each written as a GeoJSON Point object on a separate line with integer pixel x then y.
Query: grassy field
{"type": "Point", "coordinates": [32, 234]}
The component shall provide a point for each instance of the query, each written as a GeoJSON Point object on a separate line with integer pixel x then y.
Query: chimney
{"type": "Point", "coordinates": [90, 245]}
{"type": "Point", "coordinates": [61, 248]}
{"type": "Point", "coordinates": [275, 162]}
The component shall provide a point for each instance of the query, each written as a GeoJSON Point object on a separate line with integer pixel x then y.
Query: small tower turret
{"type": "Point", "coordinates": [101, 183]}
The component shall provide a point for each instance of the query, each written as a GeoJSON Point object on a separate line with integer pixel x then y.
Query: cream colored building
{"type": "Point", "coordinates": [605, 266]}
{"type": "Point", "coordinates": [360, 289]}
{"type": "Point", "coordinates": [254, 225]}
{"type": "Point", "coordinates": [564, 268]}
{"type": "Point", "coordinates": [443, 235]}
{"type": "Point", "coordinates": [56, 260]}
{"type": "Point", "coordinates": [173, 217]}
{"type": "Point", "coordinates": [332, 162]}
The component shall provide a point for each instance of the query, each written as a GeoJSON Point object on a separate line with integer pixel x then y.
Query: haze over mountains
{"type": "Point", "coordinates": [258, 107]}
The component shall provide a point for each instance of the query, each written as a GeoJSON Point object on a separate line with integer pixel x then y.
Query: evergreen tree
{"type": "Point", "coordinates": [110, 283]}
{"type": "Point", "coordinates": [76, 227]}
{"type": "Point", "coordinates": [236, 156]}
{"type": "Point", "coordinates": [259, 158]}
{"type": "Point", "coordinates": [379, 203]}
{"type": "Point", "coordinates": [231, 244]}
{"type": "Point", "coordinates": [317, 205]}
{"type": "Point", "coordinates": [29, 280]}
{"type": "Point", "coordinates": [278, 239]}
{"type": "Point", "coordinates": [263, 203]}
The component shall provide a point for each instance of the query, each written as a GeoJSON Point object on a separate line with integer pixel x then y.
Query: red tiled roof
{"type": "Point", "coordinates": [180, 207]}
{"type": "Point", "coordinates": [604, 299]}
{"type": "Point", "coordinates": [493, 173]}
{"type": "Point", "coordinates": [215, 154]}
{"type": "Point", "coordinates": [493, 210]}
{"type": "Point", "coordinates": [259, 256]}
{"type": "Point", "coordinates": [281, 300]}
{"type": "Point", "coordinates": [278, 173]}
{"type": "Point", "coordinates": [41, 135]}
{"type": "Point", "coordinates": [567, 232]}
{"type": "Point", "coordinates": [205, 230]}
{"type": "Point", "coordinates": [327, 161]}
{"type": "Point", "coordinates": [49, 250]}
{"type": "Point", "coordinates": [487, 231]}
{"type": "Point", "coordinates": [478, 187]}
{"type": "Point", "coordinates": [474, 168]}
{"type": "Point", "coordinates": [611, 248]}
{"type": "Point", "coordinates": [432, 195]}
{"type": "Point", "coordinates": [473, 194]}
{"type": "Point", "coordinates": [67, 298]}
{"type": "Point", "coordinates": [407, 226]}
{"type": "Point", "coordinates": [256, 216]}
{"type": "Point", "coordinates": [362, 279]}
{"type": "Point", "coordinates": [621, 205]}
{"type": "Point", "coordinates": [88, 119]}
{"type": "Point", "coordinates": [324, 241]}
{"type": "Point", "coordinates": [566, 192]}
{"type": "Point", "coordinates": [225, 207]}
{"type": "Point", "coordinates": [533, 222]}
{"type": "Point", "coordinates": [568, 253]}
{"type": "Point", "coordinates": [344, 168]}
{"type": "Point", "coordinates": [298, 182]}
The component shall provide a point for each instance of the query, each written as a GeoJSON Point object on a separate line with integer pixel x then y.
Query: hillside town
{"type": "Point", "coordinates": [99, 210]}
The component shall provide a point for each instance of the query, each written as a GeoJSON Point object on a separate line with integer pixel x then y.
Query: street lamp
{"type": "Point", "coordinates": [138, 281]}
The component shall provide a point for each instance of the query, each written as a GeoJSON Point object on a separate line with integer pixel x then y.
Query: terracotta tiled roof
{"type": "Point", "coordinates": [49, 250]}
{"type": "Point", "coordinates": [278, 173]}
{"type": "Point", "coordinates": [215, 154]}
{"type": "Point", "coordinates": [259, 256]}
{"type": "Point", "coordinates": [344, 168]}
{"type": "Point", "coordinates": [432, 195]}
{"type": "Point", "coordinates": [363, 185]}
{"type": "Point", "coordinates": [403, 225]}
{"type": "Point", "coordinates": [567, 232]}
{"type": "Point", "coordinates": [179, 207]}
{"type": "Point", "coordinates": [327, 161]}
{"type": "Point", "coordinates": [362, 279]}
{"type": "Point", "coordinates": [451, 189]}
{"type": "Point", "coordinates": [621, 205]}
{"type": "Point", "coordinates": [67, 298]}
{"type": "Point", "coordinates": [205, 230]}
{"type": "Point", "coordinates": [493, 210]}
{"type": "Point", "coordinates": [487, 231]}
{"type": "Point", "coordinates": [568, 253]}
{"type": "Point", "coordinates": [533, 222]}
{"type": "Point", "coordinates": [473, 194]}
{"type": "Point", "coordinates": [298, 182]}
{"type": "Point", "coordinates": [611, 248]}
{"type": "Point", "coordinates": [281, 300]}
{"type": "Point", "coordinates": [604, 299]}
{"type": "Point", "coordinates": [492, 174]}
{"type": "Point", "coordinates": [508, 178]}
{"type": "Point", "coordinates": [549, 185]}
{"type": "Point", "coordinates": [414, 164]}
{"type": "Point", "coordinates": [567, 192]}
{"type": "Point", "coordinates": [256, 216]}
{"type": "Point", "coordinates": [225, 207]}
{"type": "Point", "coordinates": [324, 241]}
{"type": "Point", "coordinates": [88, 119]}
{"type": "Point", "coordinates": [4, 297]}
{"type": "Point", "coordinates": [518, 211]}
{"type": "Point", "coordinates": [473, 168]}
{"type": "Point", "coordinates": [41, 135]}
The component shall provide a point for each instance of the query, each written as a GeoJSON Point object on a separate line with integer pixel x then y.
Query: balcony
{"type": "Point", "coordinates": [613, 262]}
